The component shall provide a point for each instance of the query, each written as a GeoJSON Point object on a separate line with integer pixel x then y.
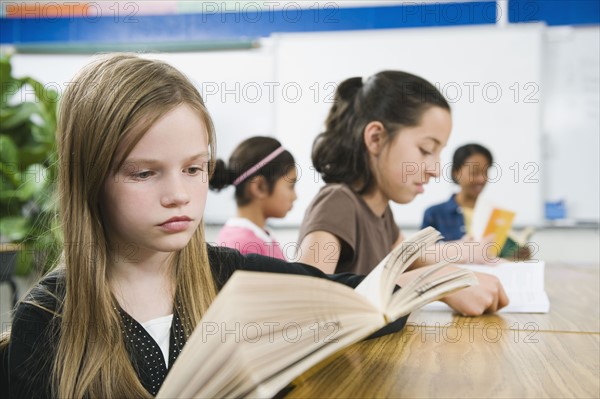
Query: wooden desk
{"type": "Point", "coordinates": [574, 293]}
{"type": "Point", "coordinates": [559, 357]}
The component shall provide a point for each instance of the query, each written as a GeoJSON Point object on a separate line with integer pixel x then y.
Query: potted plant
{"type": "Point", "coordinates": [28, 172]}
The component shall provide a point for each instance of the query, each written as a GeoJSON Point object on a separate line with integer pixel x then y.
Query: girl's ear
{"type": "Point", "coordinates": [258, 187]}
{"type": "Point", "coordinates": [375, 137]}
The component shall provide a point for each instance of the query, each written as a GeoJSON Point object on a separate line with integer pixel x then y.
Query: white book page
{"type": "Point", "coordinates": [378, 285]}
{"type": "Point", "coordinates": [523, 283]}
{"type": "Point", "coordinates": [481, 216]}
{"type": "Point", "coordinates": [429, 289]}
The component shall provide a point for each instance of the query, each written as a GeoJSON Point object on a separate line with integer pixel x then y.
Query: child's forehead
{"type": "Point", "coordinates": [179, 134]}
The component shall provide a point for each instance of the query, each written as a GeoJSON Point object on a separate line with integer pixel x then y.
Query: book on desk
{"type": "Point", "coordinates": [522, 281]}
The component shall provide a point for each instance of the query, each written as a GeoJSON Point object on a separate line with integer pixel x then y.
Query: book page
{"type": "Point", "coordinates": [378, 286]}
{"type": "Point", "coordinates": [263, 330]}
{"type": "Point", "coordinates": [433, 284]}
{"type": "Point", "coordinates": [523, 283]}
{"type": "Point", "coordinates": [481, 216]}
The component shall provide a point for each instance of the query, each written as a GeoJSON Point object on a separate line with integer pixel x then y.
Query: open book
{"type": "Point", "coordinates": [263, 329]}
{"type": "Point", "coordinates": [523, 283]}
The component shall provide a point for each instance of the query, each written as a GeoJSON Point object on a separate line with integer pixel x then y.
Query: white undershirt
{"type": "Point", "coordinates": [160, 330]}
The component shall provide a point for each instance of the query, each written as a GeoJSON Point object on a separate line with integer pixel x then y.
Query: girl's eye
{"type": "Point", "coordinates": [142, 175]}
{"type": "Point", "coordinates": [194, 170]}
{"type": "Point", "coordinates": [425, 152]}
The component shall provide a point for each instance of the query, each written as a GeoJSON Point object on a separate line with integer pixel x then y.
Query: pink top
{"type": "Point", "coordinates": [248, 238]}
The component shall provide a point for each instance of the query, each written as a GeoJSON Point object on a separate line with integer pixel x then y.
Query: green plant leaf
{"type": "Point", "coordinates": [11, 176]}
{"type": "Point", "coordinates": [9, 196]}
{"type": "Point", "coordinates": [8, 89]}
{"type": "Point", "coordinates": [24, 263]}
{"type": "Point", "coordinates": [33, 154]}
{"type": "Point", "coordinates": [47, 97]}
{"type": "Point", "coordinates": [9, 86]}
{"type": "Point", "coordinates": [9, 155]}
{"type": "Point", "coordinates": [5, 69]}
{"type": "Point", "coordinates": [34, 179]}
{"type": "Point", "coordinates": [20, 115]}
{"type": "Point", "coordinates": [14, 228]}
{"type": "Point", "coordinates": [28, 168]}
{"type": "Point", "coordinates": [42, 133]}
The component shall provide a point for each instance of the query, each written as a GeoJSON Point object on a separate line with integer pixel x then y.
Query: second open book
{"type": "Point", "coordinates": [263, 329]}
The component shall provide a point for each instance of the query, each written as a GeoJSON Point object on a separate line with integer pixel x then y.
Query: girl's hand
{"type": "Point", "coordinates": [487, 297]}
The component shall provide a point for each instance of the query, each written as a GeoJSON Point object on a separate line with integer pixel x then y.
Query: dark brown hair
{"type": "Point", "coordinates": [396, 99]}
{"type": "Point", "coordinates": [462, 153]}
{"type": "Point", "coordinates": [247, 154]}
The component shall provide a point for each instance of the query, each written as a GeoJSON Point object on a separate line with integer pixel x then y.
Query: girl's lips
{"type": "Point", "coordinates": [176, 224]}
{"type": "Point", "coordinates": [420, 188]}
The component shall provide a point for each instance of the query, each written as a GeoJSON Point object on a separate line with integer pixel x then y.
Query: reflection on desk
{"type": "Point", "coordinates": [497, 356]}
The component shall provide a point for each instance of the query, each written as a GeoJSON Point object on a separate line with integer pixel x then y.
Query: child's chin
{"type": "Point", "coordinates": [404, 199]}
{"type": "Point", "coordinates": [174, 246]}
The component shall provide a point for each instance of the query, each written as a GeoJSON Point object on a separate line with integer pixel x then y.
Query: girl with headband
{"type": "Point", "coordinates": [264, 175]}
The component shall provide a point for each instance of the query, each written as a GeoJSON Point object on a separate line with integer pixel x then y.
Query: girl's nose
{"type": "Point", "coordinates": [480, 178]}
{"type": "Point", "coordinates": [175, 193]}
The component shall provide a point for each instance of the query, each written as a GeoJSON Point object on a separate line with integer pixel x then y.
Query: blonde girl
{"type": "Point", "coordinates": [136, 145]}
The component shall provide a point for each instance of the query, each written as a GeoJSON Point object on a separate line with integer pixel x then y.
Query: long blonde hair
{"type": "Point", "coordinates": [116, 98]}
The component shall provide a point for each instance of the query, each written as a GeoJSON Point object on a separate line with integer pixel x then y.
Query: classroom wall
{"type": "Point", "coordinates": [490, 76]}
{"type": "Point", "coordinates": [528, 91]}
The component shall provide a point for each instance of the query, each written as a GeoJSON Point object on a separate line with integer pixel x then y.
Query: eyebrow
{"type": "Point", "coordinates": [204, 154]}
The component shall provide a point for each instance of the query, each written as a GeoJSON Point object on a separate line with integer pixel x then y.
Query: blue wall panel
{"type": "Point", "coordinates": [555, 12]}
{"type": "Point", "coordinates": [249, 24]}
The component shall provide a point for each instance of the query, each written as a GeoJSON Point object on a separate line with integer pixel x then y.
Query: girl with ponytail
{"type": "Point", "coordinates": [264, 175]}
{"type": "Point", "coordinates": [382, 142]}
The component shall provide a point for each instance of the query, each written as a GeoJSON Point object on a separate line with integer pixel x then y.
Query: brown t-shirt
{"type": "Point", "coordinates": [365, 237]}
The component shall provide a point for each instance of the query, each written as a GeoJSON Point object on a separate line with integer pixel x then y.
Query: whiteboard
{"type": "Point", "coordinates": [571, 120]}
{"type": "Point", "coordinates": [502, 111]}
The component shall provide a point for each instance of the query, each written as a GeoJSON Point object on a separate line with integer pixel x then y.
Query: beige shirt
{"type": "Point", "coordinates": [468, 216]}
{"type": "Point", "coordinates": [365, 237]}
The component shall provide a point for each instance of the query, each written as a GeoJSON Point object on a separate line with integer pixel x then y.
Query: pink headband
{"type": "Point", "coordinates": [259, 165]}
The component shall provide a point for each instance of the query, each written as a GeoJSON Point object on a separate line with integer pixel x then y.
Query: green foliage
{"type": "Point", "coordinates": [28, 168]}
